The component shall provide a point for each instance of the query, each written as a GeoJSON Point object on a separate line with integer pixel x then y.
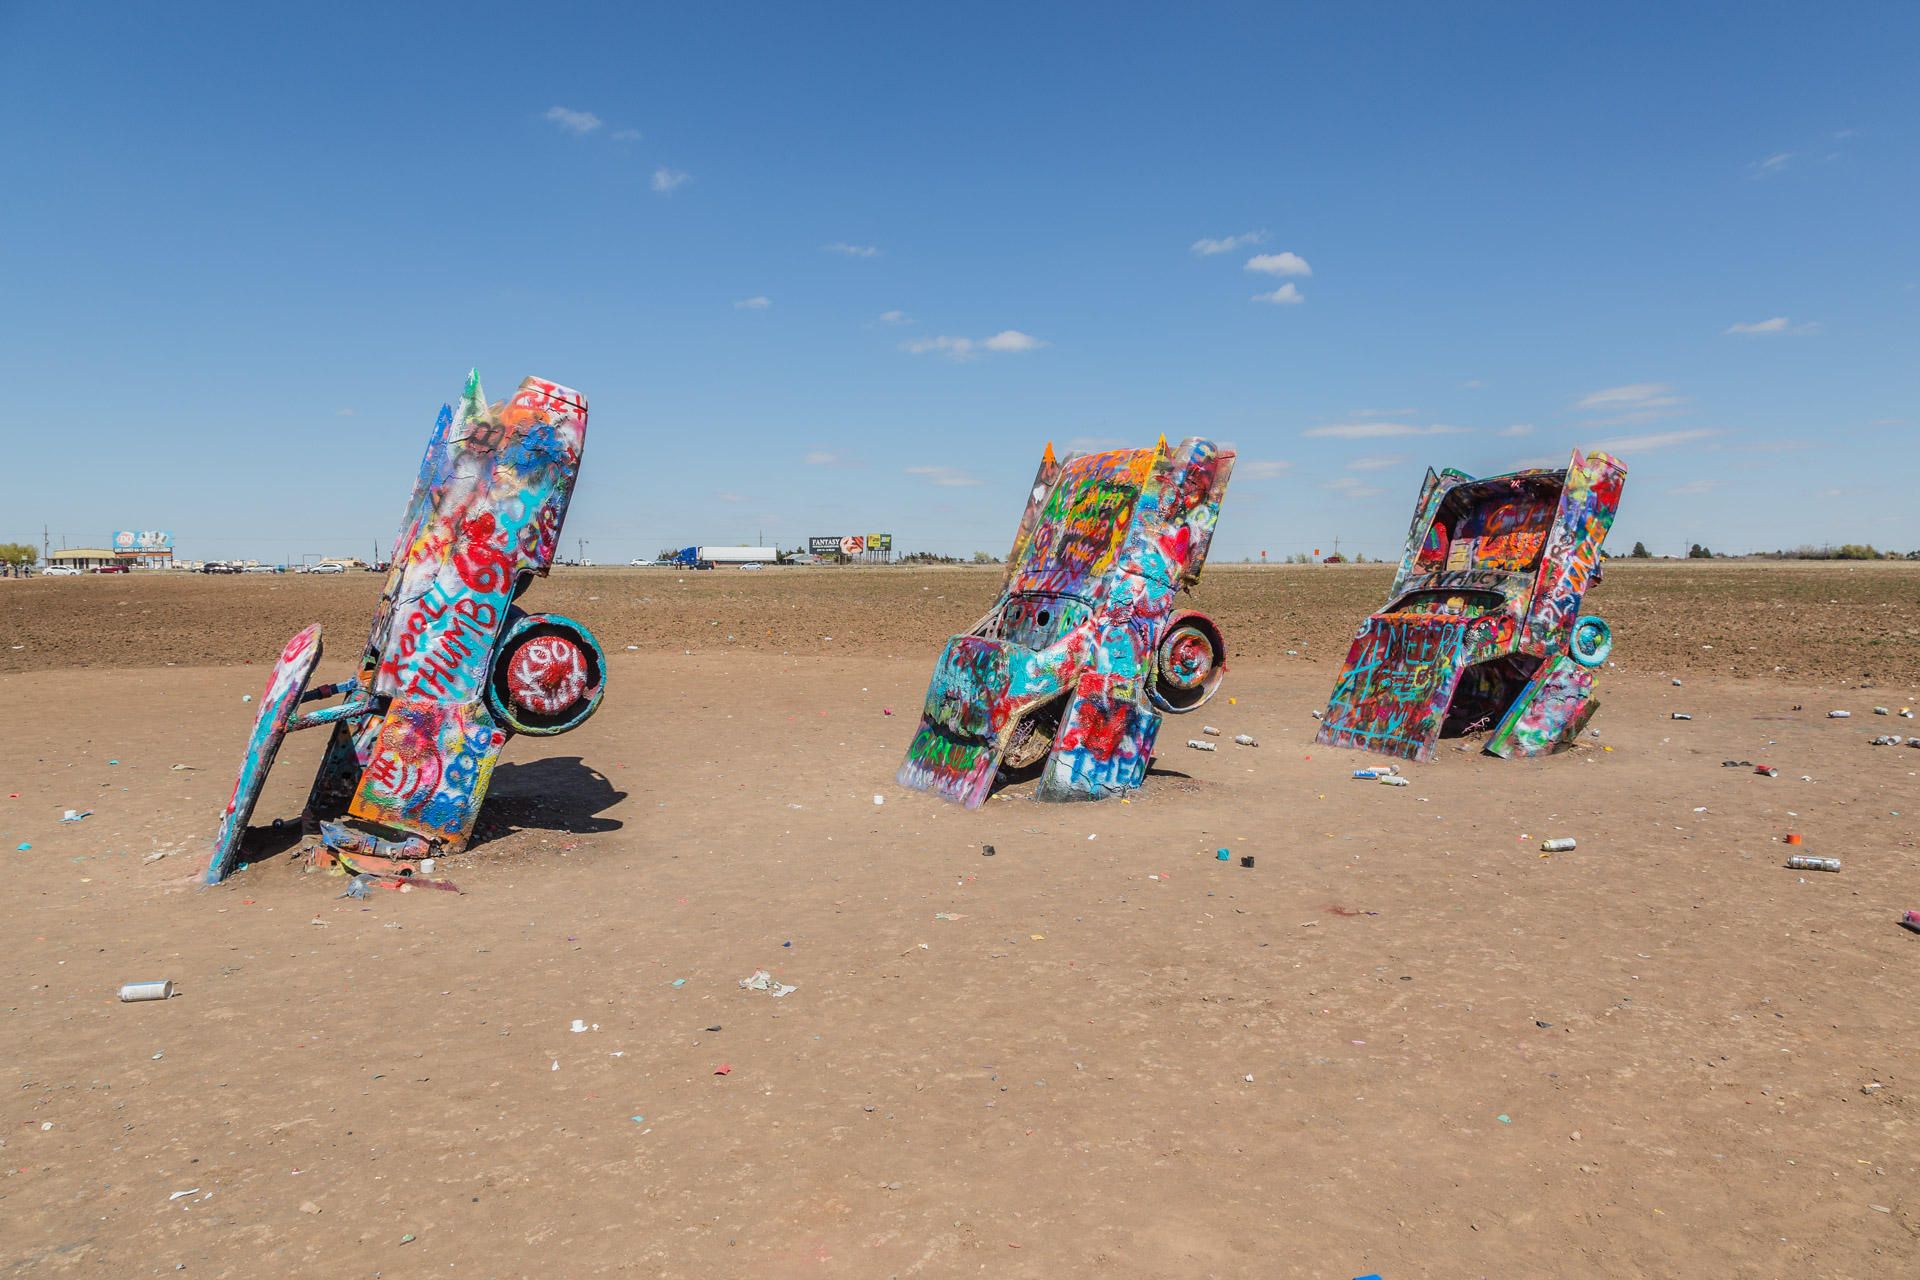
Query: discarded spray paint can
{"type": "Point", "coordinates": [1391, 781]}
{"type": "Point", "coordinates": [1911, 920]}
{"type": "Point", "coordinates": [147, 991]}
{"type": "Point", "coordinates": [1209, 730]}
{"type": "Point", "coordinates": [1198, 745]}
{"type": "Point", "coordinates": [1793, 837]}
{"type": "Point", "coordinates": [1807, 862]}
{"type": "Point", "coordinates": [1367, 774]}
{"type": "Point", "coordinates": [1839, 715]}
{"type": "Point", "coordinates": [1681, 715]}
{"type": "Point", "coordinates": [1564, 844]}
{"type": "Point", "coordinates": [1766, 770]}
{"type": "Point", "coordinates": [1245, 740]}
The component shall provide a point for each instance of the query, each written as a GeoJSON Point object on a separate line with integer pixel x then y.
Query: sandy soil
{"type": "Point", "coordinates": [1404, 1042]}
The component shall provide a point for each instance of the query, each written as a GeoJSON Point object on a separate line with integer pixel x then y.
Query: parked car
{"type": "Point", "coordinates": [649, 564]}
{"type": "Point", "coordinates": [60, 571]}
{"type": "Point", "coordinates": [753, 564]}
{"type": "Point", "coordinates": [263, 568]}
{"type": "Point", "coordinates": [1482, 629]}
{"type": "Point", "coordinates": [108, 568]}
{"type": "Point", "coordinates": [328, 568]}
{"type": "Point", "coordinates": [220, 566]}
{"type": "Point", "coordinates": [1087, 646]}
{"type": "Point", "coordinates": [703, 564]}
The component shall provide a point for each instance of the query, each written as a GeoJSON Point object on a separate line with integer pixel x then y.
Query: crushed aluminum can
{"type": "Point", "coordinates": [1766, 770]}
{"type": "Point", "coordinates": [1808, 862]}
{"type": "Point", "coordinates": [1563, 844]}
{"type": "Point", "coordinates": [1198, 745]}
{"type": "Point", "coordinates": [1681, 715]}
{"type": "Point", "coordinates": [147, 991]}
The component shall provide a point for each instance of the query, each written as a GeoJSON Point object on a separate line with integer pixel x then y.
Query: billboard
{"type": "Point", "coordinates": [853, 544]}
{"type": "Point", "coordinates": [149, 542]}
{"type": "Point", "coordinates": [879, 542]}
{"type": "Point", "coordinates": [824, 546]}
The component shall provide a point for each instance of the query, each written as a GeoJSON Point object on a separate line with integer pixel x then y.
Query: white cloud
{"type": "Point", "coordinates": [946, 477]}
{"type": "Point", "coordinates": [1517, 429]}
{"type": "Point", "coordinates": [1636, 402]}
{"type": "Point", "coordinates": [1378, 461]}
{"type": "Point", "coordinates": [1379, 430]}
{"type": "Point", "coordinates": [851, 250]}
{"type": "Point", "coordinates": [1771, 165]}
{"type": "Point", "coordinates": [961, 349]}
{"type": "Point", "coordinates": [1206, 247]}
{"type": "Point", "coordinates": [1648, 443]}
{"type": "Point", "coordinates": [578, 121]}
{"type": "Point", "coordinates": [1260, 470]}
{"type": "Point", "coordinates": [1809, 328]}
{"type": "Point", "coordinates": [627, 135]}
{"type": "Point", "coordinates": [1694, 488]}
{"type": "Point", "coordinates": [1013, 340]}
{"type": "Point", "coordinates": [668, 179]}
{"type": "Point", "coordinates": [753, 304]}
{"type": "Point", "coordinates": [1279, 264]}
{"type": "Point", "coordinates": [1352, 487]}
{"type": "Point", "coordinates": [895, 318]}
{"type": "Point", "coordinates": [1285, 295]}
{"type": "Point", "coordinates": [1776, 325]}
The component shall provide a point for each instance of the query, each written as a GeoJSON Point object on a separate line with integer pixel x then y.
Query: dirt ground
{"type": "Point", "coordinates": [1101, 1051]}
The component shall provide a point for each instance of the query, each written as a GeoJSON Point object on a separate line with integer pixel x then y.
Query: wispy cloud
{"type": "Point", "coordinates": [946, 477]}
{"type": "Point", "coordinates": [1694, 488]}
{"type": "Point", "coordinates": [1776, 325]}
{"type": "Point", "coordinates": [1353, 487]}
{"type": "Point", "coordinates": [970, 348]}
{"type": "Point", "coordinates": [668, 179]}
{"type": "Point", "coordinates": [1379, 430]}
{"type": "Point", "coordinates": [753, 304]}
{"type": "Point", "coordinates": [1207, 247]}
{"type": "Point", "coordinates": [343, 413]}
{"type": "Point", "coordinates": [1517, 429]}
{"type": "Point", "coordinates": [1262, 469]}
{"type": "Point", "coordinates": [627, 135]}
{"type": "Point", "coordinates": [1378, 461]}
{"type": "Point", "coordinates": [578, 121]}
{"type": "Point", "coordinates": [1776, 163]}
{"type": "Point", "coordinates": [1286, 295]}
{"type": "Point", "coordinates": [1877, 422]}
{"type": "Point", "coordinates": [1650, 442]}
{"type": "Point", "coordinates": [895, 318]}
{"type": "Point", "coordinates": [851, 250]}
{"type": "Point", "coordinates": [821, 457]}
{"type": "Point", "coordinates": [1635, 402]}
{"type": "Point", "coordinates": [1279, 264]}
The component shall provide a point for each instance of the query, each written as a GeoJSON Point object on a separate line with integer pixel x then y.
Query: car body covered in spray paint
{"type": "Point", "coordinates": [453, 667]}
{"type": "Point", "coordinates": [1085, 648]}
{"type": "Point", "coordinates": [1483, 628]}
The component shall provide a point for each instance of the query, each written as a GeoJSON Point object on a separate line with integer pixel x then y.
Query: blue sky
{"type": "Point", "coordinates": [838, 269]}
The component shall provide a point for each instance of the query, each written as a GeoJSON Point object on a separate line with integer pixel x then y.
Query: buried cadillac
{"type": "Point", "coordinates": [1482, 629]}
{"type": "Point", "coordinates": [1086, 647]}
{"type": "Point", "coordinates": [453, 667]}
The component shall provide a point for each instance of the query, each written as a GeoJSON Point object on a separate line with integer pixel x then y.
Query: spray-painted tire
{"type": "Point", "coordinates": [1592, 641]}
{"type": "Point", "coordinates": [1188, 663]}
{"type": "Point", "coordinates": [548, 675]}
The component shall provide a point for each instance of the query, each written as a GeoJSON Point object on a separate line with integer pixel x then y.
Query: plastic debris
{"type": "Point", "coordinates": [1808, 862]}
{"type": "Point", "coordinates": [1246, 860]}
{"type": "Point", "coordinates": [1563, 844]}
{"type": "Point", "coordinates": [1245, 740]}
{"type": "Point", "coordinates": [764, 981]}
{"type": "Point", "coordinates": [986, 851]}
{"type": "Point", "coordinates": [1198, 745]}
{"type": "Point", "coordinates": [75, 817]}
{"type": "Point", "coordinates": [1676, 684]}
{"type": "Point", "coordinates": [1681, 715]}
{"type": "Point", "coordinates": [176, 1195]}
{"type": "Point", "coordinates": [1223, 855]}
{"type": "Point", "coordinates": [723, 1069]}
{"type": "Point", "coordinates": [1880, 711]}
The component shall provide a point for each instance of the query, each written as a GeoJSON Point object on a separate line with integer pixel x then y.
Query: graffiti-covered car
{"type": "Point", "coordinates": [1482, 628]}
{"type": "Point", "coordinates": [453, 666]}
{"type": "Point", "coordinates": [1086, 647]}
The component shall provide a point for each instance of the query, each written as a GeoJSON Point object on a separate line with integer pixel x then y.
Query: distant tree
{"type": "Point", "coordinates": [985, 557]}
{"type": "Point", "coordinates": [18, 554]}
{"type": "Point", "coordinates": [1640, 552]}
{"type": "Point", "coordinates": [1698, 552]}
{"type": "Point", "coordinates": [1854, 551]}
